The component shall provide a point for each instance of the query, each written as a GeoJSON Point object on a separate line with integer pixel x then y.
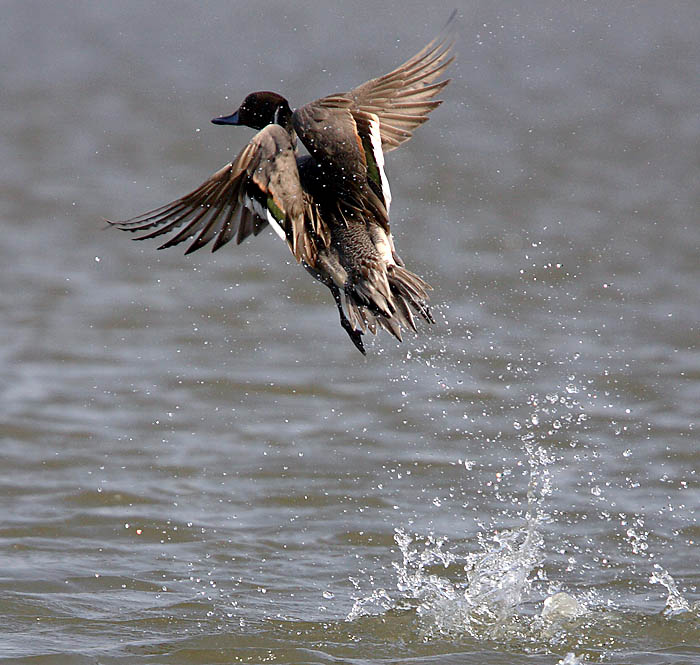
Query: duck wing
{"type": "Point", "coordinates": [403, 98]}
{"type": "Point", "coordinates": [260, 187]}
{"type": "Point", "coordinates": [348, 133]}
{"type": "Point", "coordinates": [340, 142]}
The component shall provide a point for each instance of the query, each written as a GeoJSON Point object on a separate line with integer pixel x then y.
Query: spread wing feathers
{"type": "Point", "coordinates": [260, 186]}
{"type": "Point", "coordinates": [403, 98]}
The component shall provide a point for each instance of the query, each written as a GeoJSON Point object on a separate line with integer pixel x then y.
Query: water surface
{"type": "Point", "coordinates": [198, 467]}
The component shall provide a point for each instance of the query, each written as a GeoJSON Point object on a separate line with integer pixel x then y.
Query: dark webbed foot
{"type": "Point", "coordinates": [355, 335]}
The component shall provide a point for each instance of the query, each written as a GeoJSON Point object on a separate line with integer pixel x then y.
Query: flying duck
{"type": "Point", "coordinates": [331, 206]}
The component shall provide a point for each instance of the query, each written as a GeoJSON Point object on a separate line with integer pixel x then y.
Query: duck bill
{"type": "Point", "coordinates": [227, 119]}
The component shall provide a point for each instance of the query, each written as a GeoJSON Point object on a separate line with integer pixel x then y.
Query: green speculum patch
{"type": "Point", "coordinates": [372, 170]}
{"type": "Point", "coordinates": [274, 209]}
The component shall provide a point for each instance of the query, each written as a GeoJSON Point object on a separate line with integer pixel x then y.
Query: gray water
{"type": "Point", "coordinates": [197, 465]}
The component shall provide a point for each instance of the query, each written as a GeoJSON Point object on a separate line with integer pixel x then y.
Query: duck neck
{"type": "Point", "coordinates": [283, 117]}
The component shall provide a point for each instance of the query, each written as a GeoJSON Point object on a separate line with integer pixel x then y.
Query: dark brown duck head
{"type": "Point", "coordinates": [258, 110]}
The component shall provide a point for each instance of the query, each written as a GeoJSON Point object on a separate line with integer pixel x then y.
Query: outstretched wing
{"type": "Point", "coordinates": [348, 133]}
{"type": "Point", "coordinates": [403, 98]}
{"type": "Point", "coordinates": [260, 186]}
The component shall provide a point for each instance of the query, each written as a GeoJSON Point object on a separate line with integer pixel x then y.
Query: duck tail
{"type": "Point", "coordinates": [409, 292]}
{"type": "Point", "coordinates": [388, 299]}
{"type": "Point", "coordinates": [368, 306]}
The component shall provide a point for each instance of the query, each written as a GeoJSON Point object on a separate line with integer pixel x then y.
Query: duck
{"type": "Point", "coordinates": [331, 205]}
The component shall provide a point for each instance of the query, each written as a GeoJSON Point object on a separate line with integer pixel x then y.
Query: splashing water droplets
{"type": "Point", "coordinates": [485, 602]}
{"type": "Point", "coordinates": [506, 583]}
{"type": "Point", "coordinates": [675, 602]}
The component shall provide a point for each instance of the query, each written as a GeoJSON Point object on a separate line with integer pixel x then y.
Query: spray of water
{"type": "Point", "coordinates": [499, 591]}
{"type": "Point", "coordinates": [675, 602]}
{"type": "Point", "coordinates": [496, 580]}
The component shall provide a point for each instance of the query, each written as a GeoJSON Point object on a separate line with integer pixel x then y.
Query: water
{"type": "Point", "coordinates": [198, 467]}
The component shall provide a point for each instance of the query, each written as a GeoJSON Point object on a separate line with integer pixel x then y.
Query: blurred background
{"type": "Point", "coordinates": [199, 467]}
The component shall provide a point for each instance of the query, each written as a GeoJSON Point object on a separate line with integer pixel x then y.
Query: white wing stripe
{"type": "Point", "coordinates": [262, 212]}
{"type": "Point", "coordinates": [276, 227]}
{"type": "Point", "coordinates": [376, 139]}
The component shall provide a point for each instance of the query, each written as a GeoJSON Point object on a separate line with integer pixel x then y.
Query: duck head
{"type": "Point", "coordinates": [258, 110]}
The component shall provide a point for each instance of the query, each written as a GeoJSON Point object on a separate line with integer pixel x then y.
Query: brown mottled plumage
{"type": "Point", "coordinates": [331, 206]}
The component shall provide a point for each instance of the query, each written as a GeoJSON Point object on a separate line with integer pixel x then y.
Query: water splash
{"type": "Point", "coordinates": [572, 659]}
{"type": "Point", "coordinates": [675, 602]}
{"type": "Point", "coordinates": [495, 582]}
{"type": "Point", "coordinates": [484, 605]}
{"type": "Point", "coordinates": [499, 591]}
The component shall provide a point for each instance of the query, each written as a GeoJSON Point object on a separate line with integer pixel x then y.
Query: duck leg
{"type": "Point", "coordinates": [354, 335]}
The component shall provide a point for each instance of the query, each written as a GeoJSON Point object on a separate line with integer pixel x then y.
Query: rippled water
{"type": "Point", "coordinates": [198, 467]}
